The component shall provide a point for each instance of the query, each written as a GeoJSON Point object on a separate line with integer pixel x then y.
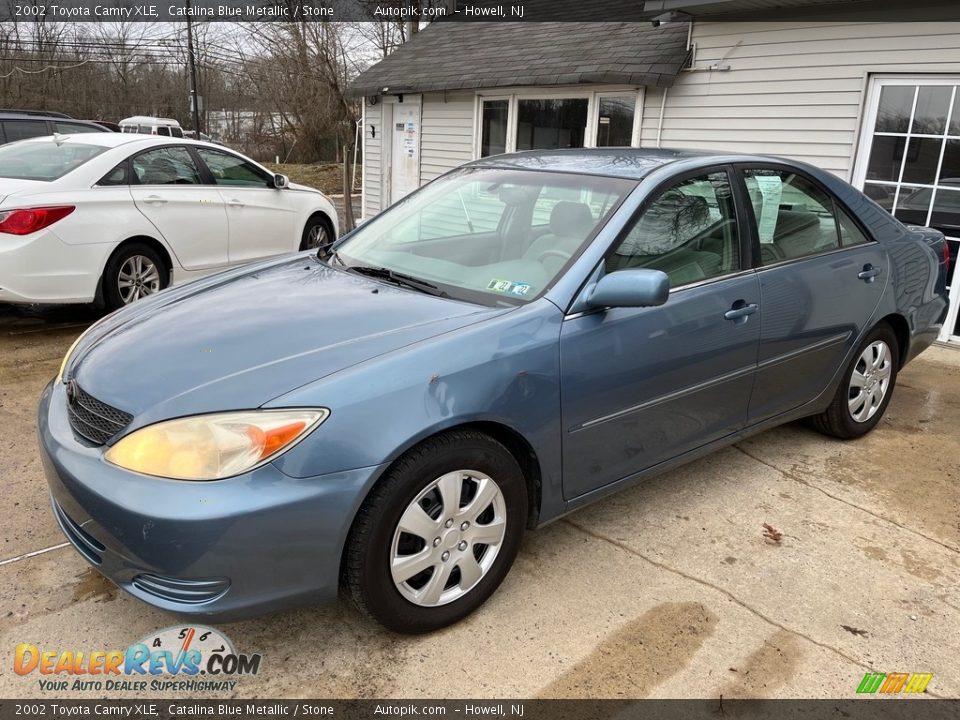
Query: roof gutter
{"type": "Point", "coordinates": [663, 105]}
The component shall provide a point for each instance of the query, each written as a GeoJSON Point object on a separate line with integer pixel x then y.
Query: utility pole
{"type": "Point", "coordinates": [194, 97]}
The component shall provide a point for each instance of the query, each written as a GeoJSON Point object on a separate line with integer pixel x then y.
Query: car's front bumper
{"type": "Point", "coordinates": [222, 550]}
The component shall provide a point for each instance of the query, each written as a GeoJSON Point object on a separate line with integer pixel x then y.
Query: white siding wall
{"type": "Point", "coordinates": [372, 157]}
{"type": "Point", "coordinates": [794, 89]}
{"type": "Point", "coordinates": [446, 132]}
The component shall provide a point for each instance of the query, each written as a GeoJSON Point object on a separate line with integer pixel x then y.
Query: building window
{"type": "Point", "coordinates": [615, 120]}
{"type": "Point", "coordinates": [909, 159]}
{"type": "Point", "coordinates": [493, 130]}
{"type": "Point", "coordinates": [548, 123]}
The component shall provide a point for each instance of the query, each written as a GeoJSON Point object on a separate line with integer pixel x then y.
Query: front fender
{"type": "Point", "coordinates": [504, 370]}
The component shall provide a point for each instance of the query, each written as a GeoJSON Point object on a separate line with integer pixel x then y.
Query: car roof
{"type": "Point", "coordinates": [624, 162]}
{"type": "Point", "coordinates": [149, 120]}
{"type": "Point", "coordinates": [36, 117]}
{"type": "Point", "coordinates": [113, 139]}
{"type": "Point", "coordinates": [6, 112]}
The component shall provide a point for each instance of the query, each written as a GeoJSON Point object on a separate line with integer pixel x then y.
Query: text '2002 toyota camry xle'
{"type": "Point", "coordinates": [520, 337]}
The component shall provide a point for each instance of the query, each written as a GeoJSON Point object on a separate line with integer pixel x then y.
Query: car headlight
{"type": "Point", "coordinates": [212, 447]}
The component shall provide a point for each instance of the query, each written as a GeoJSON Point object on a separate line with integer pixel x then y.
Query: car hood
{"type": "Point", "coordinates": [239, 340]}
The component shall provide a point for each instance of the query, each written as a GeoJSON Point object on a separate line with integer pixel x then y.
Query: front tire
{"type": "Point", "coordinates": [134, 272]}
{"type": "Point", "coordinates": [438, 534]}
{"type": "Point", "coordinates": [864, 394]}
{"type": "Point", "coordinates": [317, 233]}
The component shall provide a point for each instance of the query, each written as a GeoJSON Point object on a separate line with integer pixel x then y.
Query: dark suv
{"type": "Point", "coordinates": [20, 125]}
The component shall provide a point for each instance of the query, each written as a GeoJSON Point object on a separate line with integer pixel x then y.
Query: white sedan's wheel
{"type": "Point", "coordinates": [139, 276]}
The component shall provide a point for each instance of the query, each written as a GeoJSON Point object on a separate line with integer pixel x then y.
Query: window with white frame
{"type": "Point", "coordinates": [559, 119]}
{"type": "Point", "coordinates": [909, 158]}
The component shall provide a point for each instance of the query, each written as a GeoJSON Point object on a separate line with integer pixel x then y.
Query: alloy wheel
{"type": "Point", "coordinates": [448, 538]}
{"type": "Point", "coordinates": [869, 381]}
{"type": "Point", "coordinates": [138, 278]}
{"type": "Point", "coordinates": [317, 236]}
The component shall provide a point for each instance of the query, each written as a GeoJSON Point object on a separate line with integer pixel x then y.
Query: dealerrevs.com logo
{"type": "Point", "coordinates": [194, 658]}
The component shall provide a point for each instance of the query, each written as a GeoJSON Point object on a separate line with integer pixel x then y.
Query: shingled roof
{"type": "Point", "coordinates": [466, 55]}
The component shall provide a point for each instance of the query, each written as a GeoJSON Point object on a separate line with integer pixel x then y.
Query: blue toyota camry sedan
{"type": "Point", "coordinates": [521, 337]}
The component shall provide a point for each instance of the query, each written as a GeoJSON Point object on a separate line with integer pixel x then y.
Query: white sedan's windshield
{"type": "Point", "coordinates": [44, 160]}
{"type": "Point", "coordinates": [489, 235]}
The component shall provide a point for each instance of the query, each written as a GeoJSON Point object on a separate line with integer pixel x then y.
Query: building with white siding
{"type": "Point", "coordinates": [877, 103]}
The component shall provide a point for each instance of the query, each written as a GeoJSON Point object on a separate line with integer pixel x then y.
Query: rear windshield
{"type": "Point", "coordinates": [44, 160]}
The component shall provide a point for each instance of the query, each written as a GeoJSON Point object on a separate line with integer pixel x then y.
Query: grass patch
{"type": "Point", "coordinates": [327, 179]}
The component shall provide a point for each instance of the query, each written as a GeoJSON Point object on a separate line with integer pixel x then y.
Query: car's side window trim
{"type": "Point", "coordinates": [129, 168]}
{"type": "Point", "coordinates": [205, 173]}
{"type": "Point", "coordinates": [739, 218]}
{"type": "Point", "coordinates": [740, 173]}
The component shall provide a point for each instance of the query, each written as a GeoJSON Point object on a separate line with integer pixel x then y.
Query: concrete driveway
{"type": "Point", "coordinates": [667, 590]}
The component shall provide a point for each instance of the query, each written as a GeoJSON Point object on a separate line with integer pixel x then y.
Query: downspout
{"type": "Point", "coordinates": [663, 105]}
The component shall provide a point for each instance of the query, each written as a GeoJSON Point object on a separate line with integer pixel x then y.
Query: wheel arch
{"type": "Point", "coordinates": [901, 329]}
{"type": "Point", "coordinates": [515, 443]}
{"type": "Point", "coordinates": [147, 240]}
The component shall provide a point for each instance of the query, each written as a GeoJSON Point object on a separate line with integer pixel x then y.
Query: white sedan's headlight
{"type": "Point", "coordinates": [212, 447]}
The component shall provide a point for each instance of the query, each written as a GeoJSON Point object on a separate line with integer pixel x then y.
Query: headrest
{"type": "Point", "coordinates": [571, 219]}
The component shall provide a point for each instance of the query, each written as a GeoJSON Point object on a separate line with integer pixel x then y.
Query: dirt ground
{"type": "Point", "coordinates": [326, 178]}
{"type": "Point", "coordinates": [670, 589]}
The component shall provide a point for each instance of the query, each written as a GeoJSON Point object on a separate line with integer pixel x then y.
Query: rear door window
{"type": "Point", "coordinates": [166, 166]}
{"type": "Point", "coordinates": [794, 218]}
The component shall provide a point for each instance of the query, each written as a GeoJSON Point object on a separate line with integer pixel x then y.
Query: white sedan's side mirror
{"type": "Point", "coordinates": [281, 181]}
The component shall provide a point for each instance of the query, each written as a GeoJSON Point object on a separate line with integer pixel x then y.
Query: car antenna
{"type": "Point", "coordinates": [59, 139]}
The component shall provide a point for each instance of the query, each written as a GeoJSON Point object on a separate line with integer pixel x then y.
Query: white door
{"type": "Point", "coordinates": [190, 216]}
{"type": "Point", "coordinates": [405, 148]}
{"type": "Point", "coordinates": [262, 219]}
{"type": "Point", "coordinates": [909, 160]}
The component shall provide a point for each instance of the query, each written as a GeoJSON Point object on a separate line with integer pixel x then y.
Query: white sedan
{"type": "Point", "coordinates": [111, 217]}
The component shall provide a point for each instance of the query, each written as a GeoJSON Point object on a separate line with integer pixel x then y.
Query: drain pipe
{"type": "Point", "coordinates": [663, 105]}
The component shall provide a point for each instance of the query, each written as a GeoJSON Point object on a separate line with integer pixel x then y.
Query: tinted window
{"type": "Point", "coordinates": [231, 170]}
{"type": "Point", "coordinates": [794, 218]}
{"type": "Point", "coordinates": [850, 234]}
{"type": "Point", "coordinates": [689, 232]}
{"type": "Point", "coordinates": [493, 130]}
{"type": "Point", "coordinates": [549, 124]}
{"type": "Point", "coordinates": [66, 127]}
{"type": "Point", "coordinates": [166, 166]}
{"type": "Point", "coordinates": [44, 160]}
{"type": "Point", "coordinates": [24, 129]}
{"type": "Point", "coordinates": [117, 176]}
{"type": "Point", "coordinates": [177, 132]}
{"type": "Point", "coordinates": [615, 121]}
{"type": "Point", "coordinates": [163, 130]}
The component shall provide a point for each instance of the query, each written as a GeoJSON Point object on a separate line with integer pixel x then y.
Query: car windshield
{"type": "Point", "coordinates": [493, 236]}
{"type": "Point", "coordinates": [44, 160]}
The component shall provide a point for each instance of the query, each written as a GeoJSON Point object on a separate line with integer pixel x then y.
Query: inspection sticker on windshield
{"type": "Point", "coordinates": [509, 287]}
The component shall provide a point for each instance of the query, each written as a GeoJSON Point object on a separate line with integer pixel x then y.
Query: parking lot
{"type": "Point", "coordinates": [671, 589]}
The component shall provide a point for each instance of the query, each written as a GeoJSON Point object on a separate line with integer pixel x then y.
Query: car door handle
{"type": "Point", "coordinates": [234, 203]}
{"type": "Point", "coordinates": [155, 199]}
{"type": "Point", "coordinates": [869, 273]}
{"type": "Point", "coordinates": [741, 311]}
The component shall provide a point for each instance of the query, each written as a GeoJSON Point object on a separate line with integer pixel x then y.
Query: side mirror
{"type": "Point", "coordinates": [638, 287]}
{"type": "Point", "coordinates": [281, 181]}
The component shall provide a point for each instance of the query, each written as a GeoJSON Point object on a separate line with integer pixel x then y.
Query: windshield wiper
{"type": "Point", "coordinates": [409, 281]}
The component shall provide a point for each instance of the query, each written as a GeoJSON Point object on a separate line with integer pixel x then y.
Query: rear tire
{"type": "Point", "coordinates": [867, 386]}
{"type": "Point", "coordinates": [135, 271]}
{"type": "Point", "coordinates": [438, 534]}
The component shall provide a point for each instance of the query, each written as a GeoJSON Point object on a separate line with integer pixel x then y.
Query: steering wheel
{"type": "Point", "coordinates": [558, 253]}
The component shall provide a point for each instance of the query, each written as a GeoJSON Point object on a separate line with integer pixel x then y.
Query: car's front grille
{"type": "Point", "coordinates": [85, 543]}
{"type": "Point", "coordinates": [181, 591]}
{"type": "Point", "coordinates": [92, 419]}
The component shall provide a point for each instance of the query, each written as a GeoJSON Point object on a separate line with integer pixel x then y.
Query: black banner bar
{"type": "Point", "coordinates": [890, 708]}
